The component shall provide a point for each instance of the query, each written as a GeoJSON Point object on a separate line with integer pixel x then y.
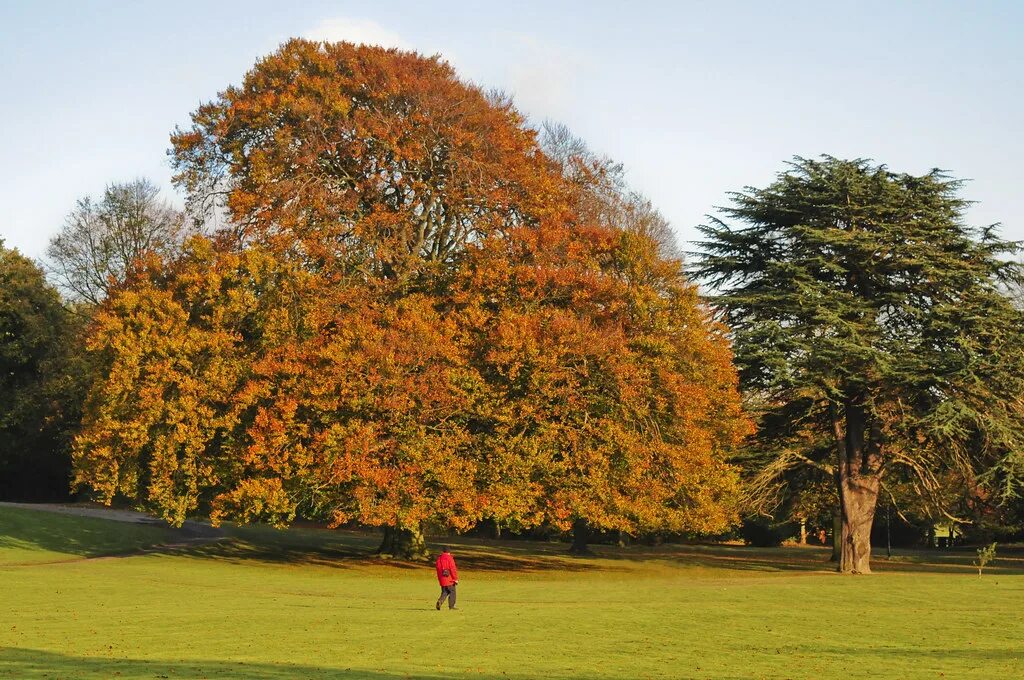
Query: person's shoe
{"type": "Point", "coordinates": [438, 606]}
{"type": "Point", "coordinates": [449, 608]}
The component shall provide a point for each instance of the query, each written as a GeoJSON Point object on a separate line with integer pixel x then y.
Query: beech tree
{"type": "Point", "coordinates": [410, 320]}
{"type": "Point", "coordinates": [865, 310]}
{"type": "Point", "coordinates": [369, 170]}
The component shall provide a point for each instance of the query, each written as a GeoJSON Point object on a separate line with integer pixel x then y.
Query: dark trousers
{"type": "Point", "coordinates": [449, 593]}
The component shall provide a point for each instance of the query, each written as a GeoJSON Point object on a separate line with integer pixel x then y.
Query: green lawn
{"type": "Point", "coordinates": [312, 604]}
{"type": "Point", "coordinates": [28, 537]}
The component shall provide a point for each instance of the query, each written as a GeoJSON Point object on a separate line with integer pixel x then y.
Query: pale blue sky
{"type": "Point", "coordinates": [696, 98]}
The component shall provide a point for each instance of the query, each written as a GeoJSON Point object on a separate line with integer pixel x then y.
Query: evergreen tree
{"type": "Point", "coordinates": [865, 309]}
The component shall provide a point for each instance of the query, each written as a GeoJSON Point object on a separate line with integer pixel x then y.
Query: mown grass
{"type": "Point", "coordinates": [31, 537]}
{"type": "Point", "coordinates": [315, 604]}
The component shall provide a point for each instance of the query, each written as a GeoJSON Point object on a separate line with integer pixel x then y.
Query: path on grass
{"type": "Point", "coordinates": [190, 530]}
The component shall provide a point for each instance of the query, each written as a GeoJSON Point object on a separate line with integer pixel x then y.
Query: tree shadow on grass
{"type": "Point", "coordinates": [350, 549]}
{"type": "Point", "coordinates": [237, 550]}
{"type": "Point", "coordinates": [90, 537]}
{"type": "Point", "coordinates": [342, 549]}
{"type": "Point", "coordinates": [808, 559]}
{"type": "Point", "coordinates": [33, 664]}
{"type": "Point", "coordinates": [604, 557]}
{"type": "Point", "coordinates": [87, 537]}
{"type": "Point", "coordinates": [78, 536]}
{"type": "Point", "coordinates": [751, 563]}
{"type": "Point", "coordinates": [716, 556]}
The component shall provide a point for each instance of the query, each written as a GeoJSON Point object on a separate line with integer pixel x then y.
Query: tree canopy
{"type": "Point", "coordinates": [364, 157]}
{"type": "Point", "coordinates": [102, 239]}
{"type": "Point", "coordinates": [40, 383]}
{"type": "Point", "coordinates": [407, 320]}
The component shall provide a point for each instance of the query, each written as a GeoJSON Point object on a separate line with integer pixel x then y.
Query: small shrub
{"type": "Point", "coordinates": [985, 556]}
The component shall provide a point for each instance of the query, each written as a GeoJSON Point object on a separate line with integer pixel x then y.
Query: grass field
{"type": "Point", "coordinates": [313, 604]}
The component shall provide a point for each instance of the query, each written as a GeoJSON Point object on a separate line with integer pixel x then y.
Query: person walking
{"type": "Point", "coordinates": [448, 577]}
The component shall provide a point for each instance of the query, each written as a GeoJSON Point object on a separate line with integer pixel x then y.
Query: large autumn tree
{"type": "Point", "coordinates": [351, 179]}
{"type": "Point", "coordinates": [409, 319]}
{"type": "Point", "coordinates": [868, 315]}
{"type": "Point", "coordinates": [371, 170]}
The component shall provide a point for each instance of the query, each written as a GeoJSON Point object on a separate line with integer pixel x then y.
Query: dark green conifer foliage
{"type": "Point", "coordinates": [867, 315]}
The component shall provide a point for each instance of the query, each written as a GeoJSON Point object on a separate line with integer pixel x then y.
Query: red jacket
{"type": "Point", "coordinates": [446, 561]}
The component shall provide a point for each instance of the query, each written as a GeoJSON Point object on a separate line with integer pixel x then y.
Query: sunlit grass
{"type": "Point", "coordinates": [315, 604]}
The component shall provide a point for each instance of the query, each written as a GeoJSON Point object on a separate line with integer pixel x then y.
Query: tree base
{"type": "Point", "coordinates": [403, 544]}
{"type": "Point", "coordinates": [580, 538]}
{"type": "Point", "coordinates": [858, 499]}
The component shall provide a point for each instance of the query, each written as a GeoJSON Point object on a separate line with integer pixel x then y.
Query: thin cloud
{"type": "Point", "coordinates": [543, 79]}
{"type": "Point", "coordinates": [359, 31]}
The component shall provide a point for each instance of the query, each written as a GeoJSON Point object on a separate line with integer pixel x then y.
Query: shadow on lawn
{"type": "Point", "coordinates": [89, 537]}
{"type": "Point", "coordinates": [809, 559]}
{"type": "Point", "coordinates": [238, 550]}
{"type": "Point", "coordinates": [750, 561]}
{"type": "Point", "coordinates": [815, 559]}
{"type": "Point", "coordinates": [350, 549]}
{"type": "Point", "coordinates": [342, 549]}
{"type": "Point", "coordinates": [78, 536]}
{"type": "Point", "coordinates": [34, 664]}
{"type": "Point", "coordinates": [29, 664]}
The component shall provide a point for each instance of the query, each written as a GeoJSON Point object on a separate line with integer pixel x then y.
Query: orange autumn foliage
{"type": "Point", "coordinates": [174, 358]}
{"type": "Point", "coordinates": [409, 321]}
{"type": "Point", "coordinates": [615, 397]}
{"type": "Point", "coordinates": [365, 157]}
{"type": "Point", "coordinates": [229, 385]}
{"type": "Point", "coordinates": [370, 424]}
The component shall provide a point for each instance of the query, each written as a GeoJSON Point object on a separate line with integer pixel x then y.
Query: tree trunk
{"type": "Point", "coordinates": [580, 537]}
{"type": "Point", "coordinates": [803, 531]}
{"type": "Point", "coordinates": [388, 542]}
{"type": "Point", "coordinates": [858, 479]}
{"type": "Point", "coordinates": [859, 498]}
{"type": "Point", "coordinates": [837, 534]}
{"type": "Point", "coordinates": [403, 543]}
